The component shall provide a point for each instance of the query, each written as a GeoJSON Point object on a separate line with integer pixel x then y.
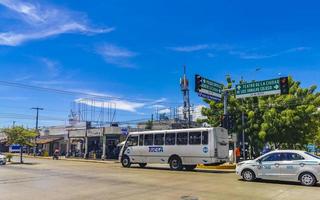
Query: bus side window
{"type": "Point", "coordinates": [140, 140]}
{"type": "Point", "coordinates": [170, 139]}
{"type": "Point", "coordinates": [182, 138]}
{"type": "Point", "coordinates": [194, 138]}
{"type": "Point", "coordinates": [159, 139]}
{"type": "Point", "coordinates": [148, 139]}
{"type": "Point", "coordinates": [205, 137]}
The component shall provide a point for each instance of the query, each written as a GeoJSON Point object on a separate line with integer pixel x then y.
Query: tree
{"type": "Point", "coordinates": [288, 121]}
{"type": "Point", "coordinates": [21, 136]}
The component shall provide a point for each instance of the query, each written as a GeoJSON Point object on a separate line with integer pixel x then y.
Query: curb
{"type": "Point", "coordinates": [223, 167]}
{"type": "Point", "coordinates": [71, 159]}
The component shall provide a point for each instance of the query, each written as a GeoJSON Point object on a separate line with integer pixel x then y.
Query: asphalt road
{"type": "Point", "coordinates": [59, 180]}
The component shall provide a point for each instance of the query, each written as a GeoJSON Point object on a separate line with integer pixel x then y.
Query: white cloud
{"type": "Point", "coordinates": [255, 56]}
{"type": "Point", "coordinates": [116, 55]}
{"type": "Point", "coordinates": [53, 67]}
{"type": "Point", "coordinates": [120, 104]}
{"type": "Point", "coordinates": [164, 111]}
{"type": "Point", "coordinates": [41, 21]}
{"type": "Point", "coordinates": [190, 48]}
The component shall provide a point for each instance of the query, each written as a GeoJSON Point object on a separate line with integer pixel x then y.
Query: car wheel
{"type": "Point", "coordinates": [175, 163]}
{"type": "Point", "coordinates": [248, 175]}
{"type": "Point", "coordinates": [142, 165]}
{"type": "Point", "coordinates": [190, 167]}
{"type": "Point", "coordinates": [126, 161]}
{"type": "Point", "coordinates": [308, 179]}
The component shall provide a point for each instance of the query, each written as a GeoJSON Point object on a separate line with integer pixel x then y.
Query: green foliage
{"type": "Point", "coordinates": [9, 157]}
{"type": "Point", "coordinates": [287, 121]}
{"type": "Point", "coordinates": [19, 135]}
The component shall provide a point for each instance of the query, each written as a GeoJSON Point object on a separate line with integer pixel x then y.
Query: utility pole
{"type": "Point", "coordinates": [184, 84]}
{"type": "Point", "coordinates": [37, 128]}
{"type": "Point", "coordinates": [13, 124]}
{"type": "Point", "coordinates": [243, 138]}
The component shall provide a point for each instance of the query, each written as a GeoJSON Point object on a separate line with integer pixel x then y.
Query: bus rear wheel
{"type": "Point", "coordinates": [176, 163]}
{"type": "Point", "coordinates": [142, 165]}
{"type": "Point", "coordinates": [190, 167]}
{"type": "Point", "coordinates": [125, 161]}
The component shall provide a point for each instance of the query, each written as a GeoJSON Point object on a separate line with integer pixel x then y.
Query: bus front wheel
{"type": "Point", "coordinates": [176, 163]}
{"type": "Point", "coordinates": [125, 161]}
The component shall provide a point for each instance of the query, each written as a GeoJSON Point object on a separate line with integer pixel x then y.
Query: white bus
{"type": "Point", "coordinates": [180, 148]}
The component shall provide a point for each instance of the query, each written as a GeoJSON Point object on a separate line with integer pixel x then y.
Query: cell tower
{"type": "Point", "coordinates": [184, 84]}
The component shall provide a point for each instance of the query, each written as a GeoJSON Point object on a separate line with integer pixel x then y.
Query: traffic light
{"type": "Point", "coordinates": [198, 82]}
{"type": "Point", "coordinates": [284, 85]}
{"type": "Point", "coordinates": [228, 121]}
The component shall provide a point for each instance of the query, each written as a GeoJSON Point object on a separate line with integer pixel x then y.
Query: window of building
{"type": "Point", "coordinates": [170, 138]}
{"type": "Point", "coordinates": [205, 137]}
{"type": "Point", "coordinates": [195, 138]}
{"type": "Point", "coordinates": [182, 138]}
{"type": "Point", "coordinates": [132, 141]}
{"type": "Point", "coordinates": [140, 140]}
{"type": "Point", "coordinates": [159, 139]}
{"type": "Point", "coordinates": [148, 139]}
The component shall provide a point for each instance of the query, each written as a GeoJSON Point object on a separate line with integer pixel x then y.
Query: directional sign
{"type": "Point", "coordinates": [262, 88]}
{"type": "Point", "coordinates": [207, 88]}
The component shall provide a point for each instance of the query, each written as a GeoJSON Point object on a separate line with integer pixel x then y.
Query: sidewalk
{"type": "Point", "coordinates": [226, 166]}
{"type": "Point", "coordinates": [70, 159]}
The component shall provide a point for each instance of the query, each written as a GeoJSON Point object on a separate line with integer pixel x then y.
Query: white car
{"type": "Point", "coordinates": [3, 159]}
{"type": "Point", "coordinates": [284, 165]}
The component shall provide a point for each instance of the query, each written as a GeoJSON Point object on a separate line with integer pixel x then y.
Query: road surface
{"type": "Point", "coordinates": [47, 179]}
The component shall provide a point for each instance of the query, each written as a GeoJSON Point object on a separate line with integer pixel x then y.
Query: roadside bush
{"type": "Point", "coordinates": [9, 157]}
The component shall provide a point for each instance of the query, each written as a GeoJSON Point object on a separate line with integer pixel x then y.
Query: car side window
{"type": "Point", "coordinates": [271, 157]}
{"type": "Point", "coordinates": [291, 156]}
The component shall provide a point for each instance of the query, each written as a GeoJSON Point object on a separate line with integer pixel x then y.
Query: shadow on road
{"type": "Point", "coordinates": [261, 181]}
{"type": "Point", "coordinates": [218, 171]}
{"type": "Point", "coordinates": [24, 163]}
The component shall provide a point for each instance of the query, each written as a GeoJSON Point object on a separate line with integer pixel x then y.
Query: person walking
{"type": "Point", "coordinates": [238, 154]}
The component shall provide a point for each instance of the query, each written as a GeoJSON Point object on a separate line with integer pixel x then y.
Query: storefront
{"type": "Point", "coordinates": [46, 145]}
{"type": "Point", "coordinates": [95, 143]}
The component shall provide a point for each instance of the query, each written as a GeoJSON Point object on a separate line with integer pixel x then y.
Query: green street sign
{"type": "Point", "coordinates": [208, 87]}
{"type": "Point", "coordinates": [261, 88]}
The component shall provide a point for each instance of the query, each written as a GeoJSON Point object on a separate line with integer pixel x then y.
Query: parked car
{"type": "Point", "coordinates": [3, 159]}
{"type": "Point", "coordinates": [285, 165]}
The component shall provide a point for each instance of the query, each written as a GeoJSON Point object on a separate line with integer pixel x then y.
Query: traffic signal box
{"type": "Point", "coordinates": [198, 83]}
{"type": "Point", "coordinates": [284, 85]}
{"type": "Point", "coordinates": [228, 121]}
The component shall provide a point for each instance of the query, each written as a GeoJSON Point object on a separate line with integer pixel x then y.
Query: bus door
{"type": "Point", "coordinates": [222, 143]}
{"type": "Point", "coordinates": [130, 148]}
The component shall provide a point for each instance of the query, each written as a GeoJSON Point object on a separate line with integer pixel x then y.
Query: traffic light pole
{"type": "Point", "coordinates": [243, 138]}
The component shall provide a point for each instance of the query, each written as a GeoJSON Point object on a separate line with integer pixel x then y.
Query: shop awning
{"type": "Point", "coordinates": [47, 140]}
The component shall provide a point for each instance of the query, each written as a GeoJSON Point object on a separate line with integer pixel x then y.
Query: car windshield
{"type": "Point", "coordinates": [310, 154]}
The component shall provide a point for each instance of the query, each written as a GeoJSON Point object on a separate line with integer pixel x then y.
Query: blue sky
{"type": "Point", "coordinates": [135, 50]}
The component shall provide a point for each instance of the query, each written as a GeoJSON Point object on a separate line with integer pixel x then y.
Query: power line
{"type": "Point", "coordinates": [96, 96]}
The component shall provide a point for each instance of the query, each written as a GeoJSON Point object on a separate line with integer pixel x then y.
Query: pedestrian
{"type": "Point", "coordinates": [56, 154]}
{"type": "Point", "coordinates": [238, 154]}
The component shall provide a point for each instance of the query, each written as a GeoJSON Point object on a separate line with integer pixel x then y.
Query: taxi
{"type": "Point", "coordinates": [283, 165]}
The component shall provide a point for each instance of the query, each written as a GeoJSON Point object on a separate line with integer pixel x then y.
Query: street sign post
{"type": "Point", "coordinates": [207, 88]}
{"type": "Point", "coordinates": [263, 88]}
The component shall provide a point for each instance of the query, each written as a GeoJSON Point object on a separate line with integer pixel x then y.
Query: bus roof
{"type": "Point", "coordinates": [175, 130]}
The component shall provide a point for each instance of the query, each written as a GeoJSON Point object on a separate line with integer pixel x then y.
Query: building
{"type": "Point", "coordinates": [3, 142]}
{"type": "Point", "coordinates": [51, 138]}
